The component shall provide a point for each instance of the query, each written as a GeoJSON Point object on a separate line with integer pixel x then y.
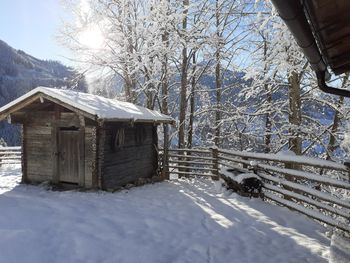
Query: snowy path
{"type": "Point", "coordinates": [179, 221]}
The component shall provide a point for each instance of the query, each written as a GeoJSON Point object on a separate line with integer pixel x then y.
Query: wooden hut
{"type": "Point", "coordinates": [85, 140]}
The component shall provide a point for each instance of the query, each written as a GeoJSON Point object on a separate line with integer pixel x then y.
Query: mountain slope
{"type": "Point", "coordinates": [20, 73]}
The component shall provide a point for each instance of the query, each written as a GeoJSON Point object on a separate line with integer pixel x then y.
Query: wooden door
{"type": "Point", "coordinates": [68, 156]}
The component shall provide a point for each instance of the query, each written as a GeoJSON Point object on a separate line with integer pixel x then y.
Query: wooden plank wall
{"type": "Point", "coordinates": [38, 128]}
{"type": "Point", "coordinates": [90, 153]}
{"type": "Point", "coordinates": [38, 152]}
{"type": "Point", "coordinates": [24, 155]}
{"type": "Point", "coordinates": [105, 166]}
{"type": "Point", "coordinates": [100, 144]}
{"type": "Point", "coordinates": [134, 159]}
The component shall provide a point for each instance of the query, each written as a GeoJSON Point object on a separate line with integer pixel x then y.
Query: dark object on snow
{"type": "Point", "coordinates": [245, 184]}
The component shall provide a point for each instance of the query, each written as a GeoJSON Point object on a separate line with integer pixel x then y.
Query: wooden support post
{"type": "Point", "coordinates": [101, 134]}
{"type": "Point", "coordinates": [55, 149]}
{"type": "Point", "coordinates": [165, 168]}
{"type": "Point", "coordinates": [24, 154]}
{"type": "Point", "coordinates": [244, 164]}
{"type": "Point", "coordinates": [347, 164]}
{"type": "Point", "coordinates": [95, 142]}
{"type": "Point", "coordinates": [81, 150]}
{"type": "Point", "coordinates": [215, 155]}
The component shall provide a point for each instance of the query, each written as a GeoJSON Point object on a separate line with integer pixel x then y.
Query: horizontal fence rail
{"type": "Point", "coordinates": [318, 188]}
{"type": "Point", "coordinates": [10, 155]}
{"type": "Point", "coordinates": [190, 162]}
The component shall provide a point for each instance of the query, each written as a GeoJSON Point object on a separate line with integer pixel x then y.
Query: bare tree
{"type": "Point", "coordinates": [184, 80]}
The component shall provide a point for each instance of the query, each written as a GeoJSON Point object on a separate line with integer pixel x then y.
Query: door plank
{"type": "Point", "coordinates": [68, 157]}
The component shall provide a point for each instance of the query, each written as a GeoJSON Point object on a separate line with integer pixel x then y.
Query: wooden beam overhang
{"type": "Point", "coordinates": [41, 100]}
{"type": "Point", "coordinates": [18, 107]}
{"type": "Point", "coordinates": [40, 96]}
{"type": "Point", "coordinates": [172, 122]}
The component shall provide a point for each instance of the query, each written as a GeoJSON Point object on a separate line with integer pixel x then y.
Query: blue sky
{"type": "Point", "coordinates": [31, 25]}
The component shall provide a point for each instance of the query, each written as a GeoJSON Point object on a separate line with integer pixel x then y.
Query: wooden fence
{"type": "Point", "coordinates": [10, 155]}
{"type": "Point", "coordinates": [314, 187]}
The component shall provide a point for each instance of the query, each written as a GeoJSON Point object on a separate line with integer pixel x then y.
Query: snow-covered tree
{"type": "Point", "coordinates": [186, 58]}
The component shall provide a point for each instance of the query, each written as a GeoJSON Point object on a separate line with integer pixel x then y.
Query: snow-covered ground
{"type": "Point", "coordinates": [177, 221]}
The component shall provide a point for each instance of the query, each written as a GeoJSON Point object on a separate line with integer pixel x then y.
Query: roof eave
{"type": "Point", "coordinates": [292, 12]}
{"type": "Point", "coordinates": [40, 95]}
{"type": "Point", "coordinates": [131, 120]}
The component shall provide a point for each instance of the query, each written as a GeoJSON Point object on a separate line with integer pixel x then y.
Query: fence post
{"type": "Point", "coordinates": [165, 170]}
{"type": "Point", "coordinates": [291, 179]}
{"type": "Point", "coordinates": [245, 159]}
{"type": "Point", "coordinates": [215, 155]}
{"type": "Point", "coordinates": [347, 164]}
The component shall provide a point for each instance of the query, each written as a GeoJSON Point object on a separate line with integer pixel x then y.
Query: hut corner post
{"type": "Point", "coordinates": [55, 149]}
{"type": "Point", "coordinates": [215, 156]}
{"type": "Point", "coordinates": [347, 164]}
{"type": "Point", "coordinates": [24, 155]}
{"type": "Point", "coordinates": [165, 168]}
{"type": "Point", "coordinates": [100, 139]}
{"type": "Point", "coordinates": [81, 150]}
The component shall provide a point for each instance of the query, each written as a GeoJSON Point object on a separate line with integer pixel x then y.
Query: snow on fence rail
{"type": "Point", "coordinates": [317, 188]}
{"type": "Point", "coordinates": [10, 155]}
{"type": "Point", "coordinates": [191, 162]}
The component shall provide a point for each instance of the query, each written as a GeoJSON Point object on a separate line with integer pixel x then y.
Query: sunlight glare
{"type": "Point", "coordinates": [92, 37]}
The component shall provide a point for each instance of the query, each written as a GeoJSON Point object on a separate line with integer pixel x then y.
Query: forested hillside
{"type": "Point", "coordinates": [20, 72]}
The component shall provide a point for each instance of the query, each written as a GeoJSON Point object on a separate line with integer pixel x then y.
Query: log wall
{"type": "Point", "coordinates": [40, 153]}
{"type": "Point", "coordinates": [111, 154]}
{"type": "Point", "coordinates": [133, 158]}
{"type": "Point", "coordinates": [90, 153]}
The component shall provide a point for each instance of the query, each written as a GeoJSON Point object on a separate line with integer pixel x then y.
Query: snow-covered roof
{"type": "Point", "coordinates": [97, 106]}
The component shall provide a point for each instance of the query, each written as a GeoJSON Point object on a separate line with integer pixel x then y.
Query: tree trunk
{"type": "Point", "coordinates": [165, 86]}
{"type": "Point", "coordinates": [217, 139]}
{"type": "Point", "coordinates": [129, 87]}
{"type": "Point", "coordinates": [165, 105]}
{"type": "Point", "coordinates": [192, 101]}
{"type": "Point", "coordinates": [130, 82]}
{"type": "Point", "coordinates": [183, 91]}
{"type": "Point", "coordinates": [218, 83]}
{"type": "Point", "coordinates": [332, 139]}
{"type": "Point", "coordinates": [336, 123]}
{"type": "Point", "coordinates": [268, 124]}
{"type": "Point", "coordinates": [295, 141]}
